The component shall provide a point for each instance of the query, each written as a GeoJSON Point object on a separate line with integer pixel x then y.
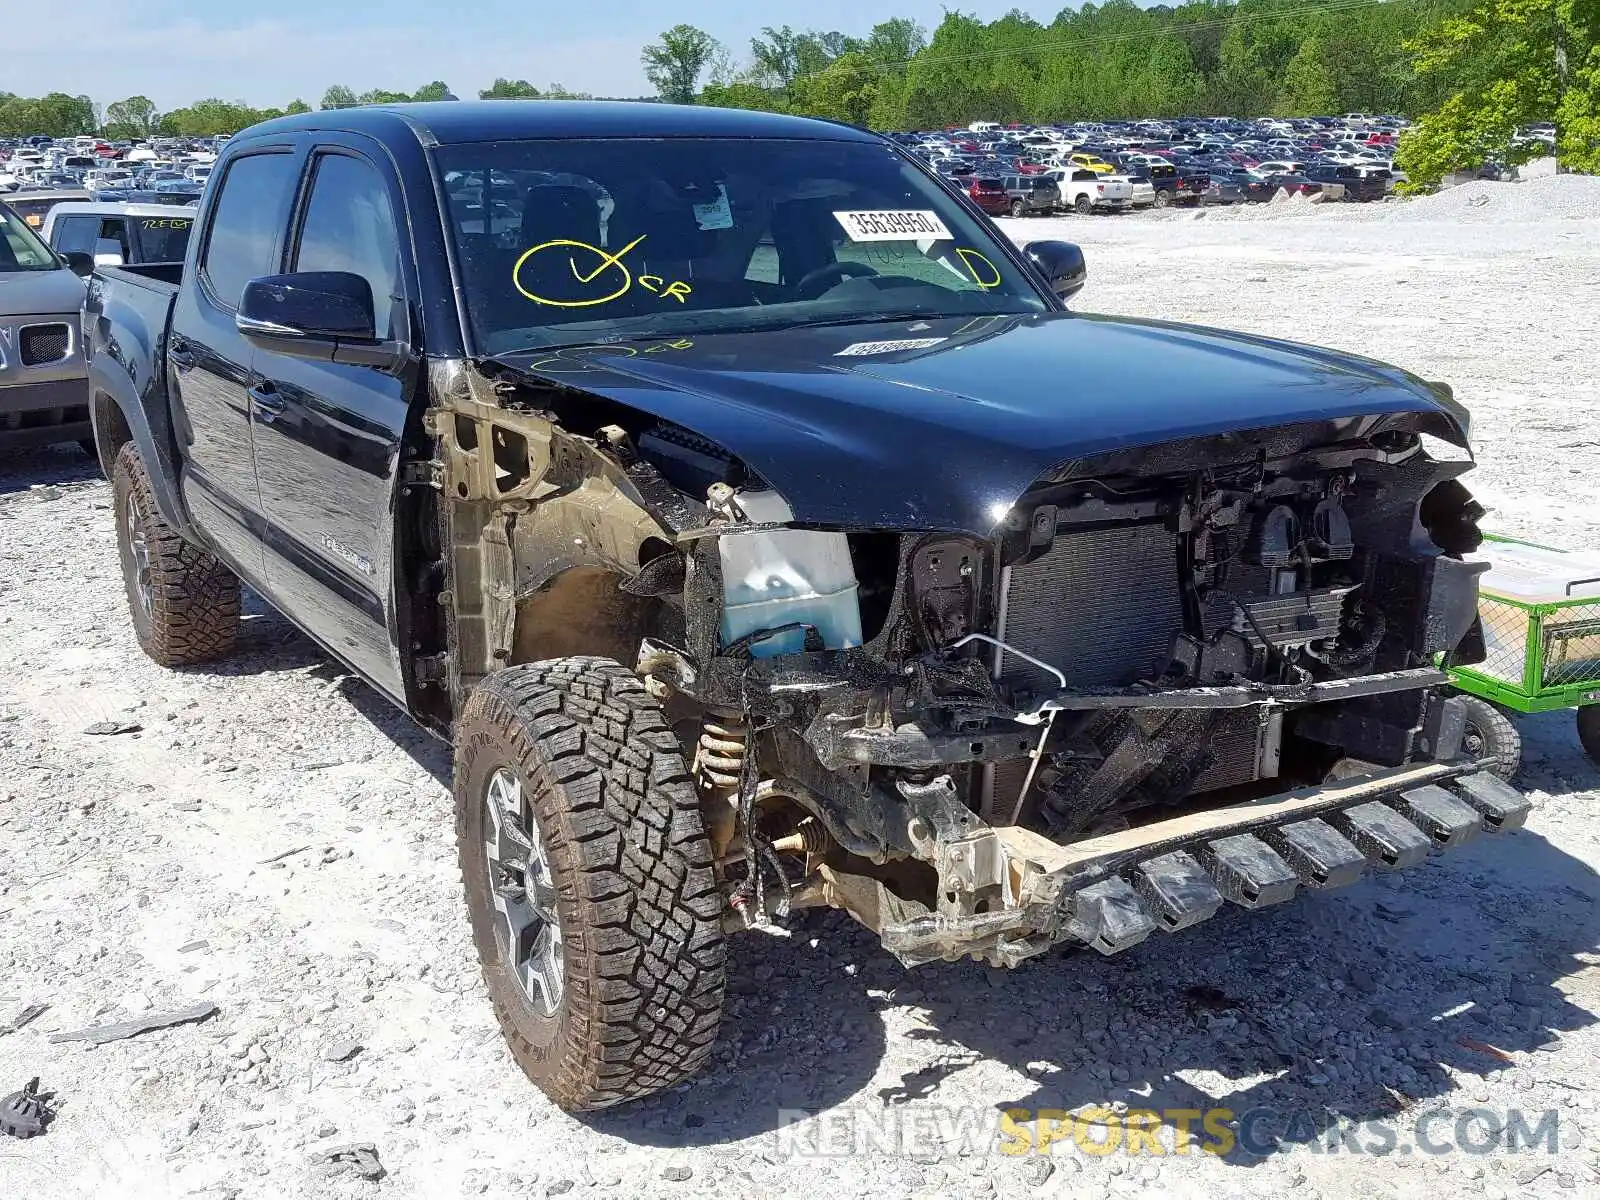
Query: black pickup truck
{"type": "Point", "coordinates": [692, 472]}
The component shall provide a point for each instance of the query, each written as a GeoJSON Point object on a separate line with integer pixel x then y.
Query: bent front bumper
{"type": "Point", "coordinates": [1008, 894]}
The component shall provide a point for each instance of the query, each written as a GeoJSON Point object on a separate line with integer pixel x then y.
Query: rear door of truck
{"type": "Point", "coordinates": [210, 375]}
{"type": "Point", "coordinates": [327, 435]}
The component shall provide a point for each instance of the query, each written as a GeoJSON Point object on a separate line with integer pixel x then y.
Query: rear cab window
{"type": "Point", "coordinates": [163, 239]}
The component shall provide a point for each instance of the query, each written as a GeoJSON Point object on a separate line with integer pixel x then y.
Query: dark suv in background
{"type": "Point", "coordinates": [1030, 195]}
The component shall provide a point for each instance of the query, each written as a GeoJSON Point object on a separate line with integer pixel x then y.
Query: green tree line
{"type": "Point", "coordinates": [61, 115]}
{"type": "Point", "coordinates": [1097, 62]}
{"type": "Point", "coordinates": [1469, 73]}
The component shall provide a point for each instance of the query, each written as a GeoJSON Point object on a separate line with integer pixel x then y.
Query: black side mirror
{"type": "Point", "coordinates": [1061, 264]}
{"type": "Point", "coordinates": [79, 263]}
{"type": "Point", "coordinates": [324, 315]}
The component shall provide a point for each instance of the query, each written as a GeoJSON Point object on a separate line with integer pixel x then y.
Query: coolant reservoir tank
{"type": "Point", "coordinates": [786, 577]}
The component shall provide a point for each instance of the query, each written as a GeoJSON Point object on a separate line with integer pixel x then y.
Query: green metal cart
{"type": "Point", "coordinates": [1541, 626]}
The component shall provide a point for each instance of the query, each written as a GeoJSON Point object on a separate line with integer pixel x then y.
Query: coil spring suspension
{"type": "Point", "coordinates": [719, 757]}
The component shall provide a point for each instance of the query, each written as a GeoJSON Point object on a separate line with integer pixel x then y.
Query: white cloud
{"type": "Point", "coordinates": [269, 62]}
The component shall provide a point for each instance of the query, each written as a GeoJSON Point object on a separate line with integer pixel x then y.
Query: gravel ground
{"type": "Point", "coordinates": [273, 838]}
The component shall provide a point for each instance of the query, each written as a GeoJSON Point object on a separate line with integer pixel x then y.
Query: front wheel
{"type": "Point", "coordinates": [589, 882]}
{"type": "Point", "coordinates": [1490, 734]}
{"type": "Point", "coordinates": [1589, 731]}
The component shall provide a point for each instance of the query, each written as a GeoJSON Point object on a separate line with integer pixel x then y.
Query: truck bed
{"type": "Point", "coordinates": [155, 277]}
{"type": "Point", "coordinates": [126, 314]}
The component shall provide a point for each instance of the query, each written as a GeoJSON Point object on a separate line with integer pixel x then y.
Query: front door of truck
{"type": "Point", "coordinates": [327, 435]}
{"type": "Point", "coordinates": [209, 364]}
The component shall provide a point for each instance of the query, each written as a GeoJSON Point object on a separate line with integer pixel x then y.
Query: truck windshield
{"type": "Point", "coordinates": [574, 240]}
{"type": "Point", "coordinates": [20, 247]}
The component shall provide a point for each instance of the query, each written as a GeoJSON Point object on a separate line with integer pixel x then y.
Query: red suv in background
{"type": "Point", "coordinates": [988, 194]}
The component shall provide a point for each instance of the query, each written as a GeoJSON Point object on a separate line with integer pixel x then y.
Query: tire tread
{"type": "Point", "coordinates": [194, 615]}
{"type": "Point", "coordinates": [646, 959]}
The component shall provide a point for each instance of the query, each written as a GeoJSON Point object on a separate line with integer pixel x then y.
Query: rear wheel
{"type": "Point", "coordinates": [589, 882]}
{"type": "Point", "coordinates": [1083, 206]}
{"type": "Point", "coordinates": [1490, 734]}
{"type": "Point", "coordinates": [1018, 208]}
{"type": "Point", "coordinates": [1589, 731]}
{"type": "Point", "coordinates": [1162, 200]}
{"type": "Point", "coordinates": [184, 603]}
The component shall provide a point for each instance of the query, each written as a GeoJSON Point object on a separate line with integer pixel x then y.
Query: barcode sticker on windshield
{"type": "Point", "coordinates": [898, 225]}
{"type": "Point", "coordinates": [860, 349]}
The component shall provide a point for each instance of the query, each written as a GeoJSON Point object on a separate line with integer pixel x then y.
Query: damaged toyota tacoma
{"type": "Point", "coordinates": [764, 533]}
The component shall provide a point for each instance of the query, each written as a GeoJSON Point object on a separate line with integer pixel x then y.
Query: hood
{"type": "Point", "coordinates": [39, 293]}
{"type": "Point", "coordinates": [943, 424]}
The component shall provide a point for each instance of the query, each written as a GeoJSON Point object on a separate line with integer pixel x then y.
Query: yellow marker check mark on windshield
{"type": "Point", "coordinates": [608, 261]}
{"type": "Point", "coordinates": [970, 259]}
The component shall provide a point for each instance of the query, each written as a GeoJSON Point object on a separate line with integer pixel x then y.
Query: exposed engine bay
{"type": "Point", "coordinates": [1171, 676]}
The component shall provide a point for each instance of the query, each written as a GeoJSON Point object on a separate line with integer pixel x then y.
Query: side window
{"type": "Point", "coordinates": [115, 229]}
{"type": "Point", "coordinates": [74, 234]}
{"type": "Point", "coordinates": [250, 214]}
{"type": "Point", "coordinates": [349, 226]}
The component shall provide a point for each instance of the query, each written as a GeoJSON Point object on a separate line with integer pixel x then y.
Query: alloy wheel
{"type": "Point", "coordinates": [140, 551]}
{"type": "Point", "coordinates": [527, 928]}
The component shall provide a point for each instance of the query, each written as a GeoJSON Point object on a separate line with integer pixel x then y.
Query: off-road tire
{"type": "Point", "coordinates": [639, 907]}
{"type": "Point", "coordinates": [194, 599]}
{"type": "Point", "coordinates": [1162, 199]}
{"type": "Point", "coordinates": [1019, 208]}
{"type": "Point", "coordinates": [1490, 733]}
{"type": "Point", "coordinates": [1083, 206]}
{"type": "Point", "coordinates": [1589, 731]}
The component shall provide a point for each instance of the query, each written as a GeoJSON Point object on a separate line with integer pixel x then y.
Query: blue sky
{"type": "Point", "coordinates": [175, 51]}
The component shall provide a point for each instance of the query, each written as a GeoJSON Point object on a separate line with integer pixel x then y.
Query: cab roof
{"type": "Point", "coordinates": [448, 122]}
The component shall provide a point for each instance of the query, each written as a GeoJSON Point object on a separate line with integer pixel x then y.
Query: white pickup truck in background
{"type": "Point", "coordinates": [1083, 190]}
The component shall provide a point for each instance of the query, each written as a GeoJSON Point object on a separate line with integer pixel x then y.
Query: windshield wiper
{"type": "Point", "coordinates": [876, 319]}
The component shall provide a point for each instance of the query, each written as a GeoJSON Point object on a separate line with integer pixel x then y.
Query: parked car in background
{"type": "Point", "coordinates": [987, 192]}
{"type": "Point", "coordinates": [1084, 191]}
{"type": "Point", "coordinates": [44, 391]}
{"type": "Point", "coordinates": [1278, 166]}
{"type": "Point", "coordinates": [1092, 162]}
{"type": "Point", "coordinates": [1030, 195]}
{"type": "Point", "coordinates": [120, 234]}
{"type": "Point", "coordinates": [1344, 182]}
{"type": "Point", "coordinates": [1292, 183]}
{"type": "Point", "coordinates": [1141, 192]}
{"type": "Point", "coordinates": [1227, 186]}
{"type": "Point", "coordinates": [1192, 184]}
{"type": "Point", "coordinates": [33, 205]}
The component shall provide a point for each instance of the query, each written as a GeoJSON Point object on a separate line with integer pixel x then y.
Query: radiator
{"type": "Point", "coordinates": [1102, 605]}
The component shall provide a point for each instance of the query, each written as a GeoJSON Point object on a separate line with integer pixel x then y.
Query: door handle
{"type": "Point", "coordinates": [268, 401]}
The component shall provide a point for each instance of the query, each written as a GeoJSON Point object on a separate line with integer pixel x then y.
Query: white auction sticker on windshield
{"type": "Point", "coordinates": [857, 349]}
{"type": "Point", "coordinates": [892, 225]}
